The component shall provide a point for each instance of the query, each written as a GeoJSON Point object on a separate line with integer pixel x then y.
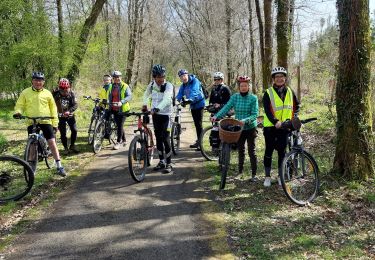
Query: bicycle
{"type": "Point", "coordinates": [300, 172]}
{"type": "Point", "coordinates": [229, 132]}
{"type": "Point", "coordinates": [97, 111]}
{"type": "Point", "coordinates": [176, 130]}
{"type": "Point", "coordinates": [37, 148]}
{"type": "Point", "coordinates": [16, 178]}
{"type": "Point", "coordinates": [141, 149]}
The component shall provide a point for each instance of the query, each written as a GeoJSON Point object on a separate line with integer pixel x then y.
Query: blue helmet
{"type": "Point", "coordinates": [158, 70]}
{"type": "Point", "coordinates": [182, 72]}
{"type": "Point", "coordinates": [37, 75]}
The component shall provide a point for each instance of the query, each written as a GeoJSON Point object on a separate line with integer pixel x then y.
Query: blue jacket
{"type": "Point", "coordinates": [192, 90]}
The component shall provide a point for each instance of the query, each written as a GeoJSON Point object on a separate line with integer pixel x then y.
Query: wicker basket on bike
{"type": "Point", "coordinates": [230, 136]}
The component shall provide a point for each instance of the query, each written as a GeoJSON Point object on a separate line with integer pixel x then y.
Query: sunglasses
{"type": "Point", "coordinates": [217, 79]}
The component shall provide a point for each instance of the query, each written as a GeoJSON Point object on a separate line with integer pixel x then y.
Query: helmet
{"type": "Point", "coordinates": [158, 70]}
{"type": "Point", "coordinates": [37, 75]}
{"type": "Point", "coordinates": [116, 73]}
{"type": "Point", "coordinates": [218, 75]}
{"type": "Point", "coordinates": [64, 83]}
{"type": "Point", "coordinates": [278, 70]}
{"type": "Point", "coordinates": [107, 76]}
{"type": "Point", "coordinates": [182, 72]}
{"type": "Point", "coordinates": [243, 79]}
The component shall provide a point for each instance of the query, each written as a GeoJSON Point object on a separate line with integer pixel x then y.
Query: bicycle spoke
{"type": "Point", "coordinates": [211, 153]}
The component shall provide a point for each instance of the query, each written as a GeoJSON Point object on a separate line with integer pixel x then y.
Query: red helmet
{"type": "Point", "coordinates": [243, 79]}
{"type": "Point", "coordinates": [64, 83]}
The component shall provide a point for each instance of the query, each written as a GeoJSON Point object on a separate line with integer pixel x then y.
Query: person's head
{"type": "Point", "coordinates": [243, 84]}
{"type": "Point", "coordinates": [107, 79]}
{"type": "Point", "coordinates": [64, 86]}
{"type": "Point", "coordinates": [184, 75]}
{"type": "Point", "coordinates": [37, 80]}
{"type": "Point", "coordinates": [278, 75]}
{"type": "Point", "coordinates": [218, 78]}
{"type": "Point", "coordinates": [116, 75]}
{"type": "Point", "coordinates": [158, 73]}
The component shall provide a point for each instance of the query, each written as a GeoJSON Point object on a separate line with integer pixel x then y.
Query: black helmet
{"type": "Point", "coordinates": [158, 70]}
{"type": "Point", "coordinates": [37, 75]}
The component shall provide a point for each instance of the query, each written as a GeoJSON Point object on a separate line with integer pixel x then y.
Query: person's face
{"type": "Point", "coordinates": [244, 87]}
{"type": "Point", "coordinates": [116, 79]}
{"type": "Point", "coordinates": [159, 80]}
{"type": "Point", "coordinates": [218, 82]}
{"type": "Point", "coordinates": [184, 78]}
{"type": "Point", "coordinates": [38, 83]}
{"type": "Point", "coordinates": [279, 80]}
{"type": "Point", "coordinates": [64, 92]}
{"type": "Point", "coordinates": [106, 80]}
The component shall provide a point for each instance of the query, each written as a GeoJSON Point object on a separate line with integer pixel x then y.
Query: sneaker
{"type": "Point", "coordinates": [116, 146]}
{"type": "Point", "coordinates": [73, 149]}
{"type": "Point", "coordinates": [254, 178]}
{"type": "Point", "coordinates": [160, 166]}
{"type": "Point", "coordinates": [195, 145]}
{"type": "Point", "coordinates": [267, 182]}
{"type": "Point", "coordinates": [66, 151]}
{"type": "Point", "coordinates": [168, 169]}
{"type": "Point", "coordinates": [61, 171]}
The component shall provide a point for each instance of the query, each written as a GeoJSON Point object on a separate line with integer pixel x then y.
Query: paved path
{"type": "Point", "coordinates": [108, 216]}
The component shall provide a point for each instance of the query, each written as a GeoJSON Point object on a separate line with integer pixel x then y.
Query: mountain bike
{"type": "Point", "coordinates": [37, 148]}
{"type": "Point", "coordinates": [97, 111]}
{"type": "Point", "coordinates": [16, 178]}
{"type": "Point", "coordinates": [104, 128]}
{"type": "Point", "coordinates": [300, 172]}
{"type": "Point", "coordinates": [141, 149]}
{"type": "Point", "coordinates": [176, 131]}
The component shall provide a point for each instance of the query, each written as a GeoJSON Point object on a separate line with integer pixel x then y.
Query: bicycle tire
{"type": "Point", "coordinates": [90, 137]}
{"type": "Point", "coordinates": [31, 154]}
{"type": "Point", "coordinates": [98, 137]}
{"type": "Point", "coordinates": [113, 131]}
{"type": "Point", "coordinates": [175, 138]}
{"type": "Point", "coordinates": [150, 150]}
{"type": "Point", "coordinates": [225, 164]}
{"type": "Point", "coordinates": [137, 159]}
{"type": "Point", "coordinates": [300, 184]}
{"type": "Point", "coordinates": [206, 149]}
{"type": "Point", "coordinates": [16, 178]}
{"type": "Point", "coordinates": [48, 158]}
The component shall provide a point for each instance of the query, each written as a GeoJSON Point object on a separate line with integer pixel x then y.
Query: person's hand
{"type": "Point", "coordinates": [66, 114]}
{"type": "Point", "coordinates": [213, 119]}
{"type": "Point", "coordinates": [216, 105]}
{"type": "Point", "coordinates": [144, 108]}
{"type": "Point", "coordinates": [278, 125]}
{"type": "Point", "coordinates": [17, 116]}
{"type": "Point", "coordinates": [155, 110]}
{"type": "Point", "coordinates": [118, 104]}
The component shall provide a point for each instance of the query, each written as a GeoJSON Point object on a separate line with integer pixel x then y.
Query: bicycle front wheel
{"type": "Point", "coordinates": [113, 132]}
{"type": "Point", "coordinates": [175, 138]}
{"type": "Point", "coordinates": [50, 161]}
{"type": "Point", "coordinates": [98, 137]}
{"type": "Point", "coordinates": [16, 178]}
{"type": "Point", "coordinates": [137, 159]}
{"type": "Point", "coordinates": [208, 152]}
{"type": "Point", "coordinates": [300, 177]}
{"type": "Point", "coordinates": [31, 153]}
{"type": "Point", "coordinates": [91, 130]}
{"type": "Point", "coordinates": [225, 162]}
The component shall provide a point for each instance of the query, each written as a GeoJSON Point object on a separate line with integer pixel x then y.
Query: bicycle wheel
{"type": "Point", "coordinates": [113, 132]}
{"type": "Point", "coordinates": [150, 152]}
{"type": "Point", "coordinates": [91, 130]}
{"type": "Point", "coordinates": [48, 158]}
{"type": "Point", "coordinates": [31, 153]}
{"type": "Point", "coordinates": [300, 177]}
{"type": "Point", "coordinates": [208, 152]}
{"type": "Point", "coordinates": [16, 178]}
{"type": "Point", "coordinates": [225, 164]}
{"type": "Point", "coordinates": [137, 159]}
{"type": "Point", "coordinates": [98, 137]}
{"type": "Point", "coordinates": [175, 138]}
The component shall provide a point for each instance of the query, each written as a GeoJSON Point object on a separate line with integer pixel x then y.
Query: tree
{"type": "Point", "coordinates": [282, 32]}
{"type": "Point", "coordinates": [353, 92]}
{"type": "Point", "coordinates": [267, 43]}
{"type": "Point", "coordinates": [252, 47]}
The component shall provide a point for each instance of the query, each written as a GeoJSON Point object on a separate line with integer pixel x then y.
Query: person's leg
{"type": "Point", "coordinates": [241, 150]}
{"type": "Point", "coordinates": [118, 120]}
{"type": "Point", "coordinates": [269, 138]}
{"type": "Point", "coordinates": [197, 115]}
{"type": "Point", "coordinates": [157, 121]}
{"type": "Point", "coordinates": [166, 143]}
{"type": "Point", "coordinates": [73, 137]}
{"type": "Point", "coordinates": [252, 151]}
{"type": "Point", "coordinates": [281, 144]}
{"type": "Point", "coordinates": [62, 129]}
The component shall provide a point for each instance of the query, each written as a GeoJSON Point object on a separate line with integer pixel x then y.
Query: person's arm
{"type": "Point", "coordinates": [74, 103]}
{"type": "Point", "coordinates": [196, 94]}
{"type": "Point", "coordinates": [296, 103]}
{"type": "Point", "coordinates": [20, 105]}
{"type": "Point", "coordinates": [147, 94]}
{"type": "Point", "coordinates": [210, 100]}
{"type": "Point", "coordinates": [167, 97]}
{"type": "Point", "coordinates": [128, 95]}
{"type": "Point", "coordinates": [180, 93]}
{"type": "Point", "coordinates": [53, 111]}
{"type": "Point", "coordinates": [254, 111]}
{"type": "Point", "coordinates": [226, 94]}
{"type": "Point", "coordinates": [225, 109]}
{"type": "Point", "coordinates": [268, 109]}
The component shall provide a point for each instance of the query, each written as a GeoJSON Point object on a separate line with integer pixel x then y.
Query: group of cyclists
{"type": "Point", "coordinates": [279, 102]}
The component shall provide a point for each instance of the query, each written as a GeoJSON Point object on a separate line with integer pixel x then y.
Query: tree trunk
{"type": "Point", "coordinates": [254, 89]}
{"type": "Point", "coordinates": [353, 92]}
{"type": "Point", "coordinates": [261, 41]}
{"type": "Point", "coordinates": [107, 38]}
{"type": "Point", "coordinates": [80, 49]}
{"type": "Point", "coordinates": [228, 26]}
{"type": "Point", "coordinates": [282, 32]}
{"type": "Point", "coordinates": [60, 34]}
{"type": "Point", "coordinates": [267, 43]}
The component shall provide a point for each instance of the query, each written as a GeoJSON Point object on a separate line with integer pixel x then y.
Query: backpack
{"type": "Point", "coordinates": [162, 89]}
{"type": "Point", "coordinates": [204, 91]}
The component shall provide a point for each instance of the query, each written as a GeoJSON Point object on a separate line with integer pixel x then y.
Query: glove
{"type": "Point", "coordinates": [183, 104]}
{"type": "Point", "coordinates": [104, 101]}
{"type": "Point", "coordinates": [144, 108]}
{"type": "Point", "coordinates": [17, 116]}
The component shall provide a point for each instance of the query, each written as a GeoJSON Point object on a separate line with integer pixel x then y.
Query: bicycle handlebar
{"type": "Point", "coordinates": [137, 113]}
{"type": "Point", "coordinates": [305, 121]}
{"type": "Point", "coordinates": [33, 118]}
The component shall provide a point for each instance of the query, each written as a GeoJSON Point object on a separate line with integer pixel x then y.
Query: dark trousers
{"type": "Point", "coordinates": [73, 129]}
{"type": "Point", "coordinates": [249, 137]}
{"type": "Point", "coordinates": [119, 120]}
{"type": "Point", "coordinates": [197, 115]}
{"type": "Point", "coordinates": [163, 140]}
{"type": "Point", "coordinates": [276, 139]}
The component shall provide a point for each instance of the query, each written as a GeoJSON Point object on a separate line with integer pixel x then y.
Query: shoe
{"type": "Point", "coordinates": [267, 182]}
{"type": "Point", "coordinates": [254, 178]}
{"type": "Point", "coordinates": [160, 166]}
{"type": "Point", "coordinates": [61, 171]}
{"type": "Point", "coordinates": [66, 151]}
{"type": "Point", "coordinates": [116, 146]}
{"type": "Point", "coordinates": [195, 145]}
{"type": "Point", "coordinates": [168, 169]}
{"type": "Point", "coordinates": [73, 149]}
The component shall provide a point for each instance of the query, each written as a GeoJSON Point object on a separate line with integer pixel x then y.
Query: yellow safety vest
{"type": "Point", "coordinates": [123, 86]}
{"type": "Point", "coordinates": [282, 110]}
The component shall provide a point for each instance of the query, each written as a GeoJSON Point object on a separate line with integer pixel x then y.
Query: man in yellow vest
{"type": "Point", "coordinates": [280, 104]}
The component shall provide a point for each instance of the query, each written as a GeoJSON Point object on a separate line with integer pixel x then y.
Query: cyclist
{"type": "Point", "coordinates": [191, 90]}
{"type": "Point", "coordinates": [245, 106]}
{"type": "Point", "coordinates": [220, 93]}
{"type": "Point", "coordinates": [66, 103]}
{"type": "Point", "coordinates": [118, 96]}
{"type": "Point", "coordinates": [280, 104]}
{"type": "Point", "coordinates": [107, 81]}
{"type": "Point", "coordinates": [37, 101]}
{"type": "Point", "coordinates": [160, 91]}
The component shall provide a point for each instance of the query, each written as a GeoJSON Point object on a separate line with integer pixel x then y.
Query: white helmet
{"type": "Point", "coordinates": [278, 70]}
{"type": "Point", "coordinates": [218, 75]}
{"type": "Point", "coordinates": [116, 73]}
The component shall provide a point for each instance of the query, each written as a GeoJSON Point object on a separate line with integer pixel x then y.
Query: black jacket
{"type": "Point", "coordinates": [220, 94]}
{"type": "Point", "coordinates": [67, 103]}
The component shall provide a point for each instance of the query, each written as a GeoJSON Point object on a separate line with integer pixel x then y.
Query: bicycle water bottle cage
{"type": "Point", "coordinates": [34, 136]}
